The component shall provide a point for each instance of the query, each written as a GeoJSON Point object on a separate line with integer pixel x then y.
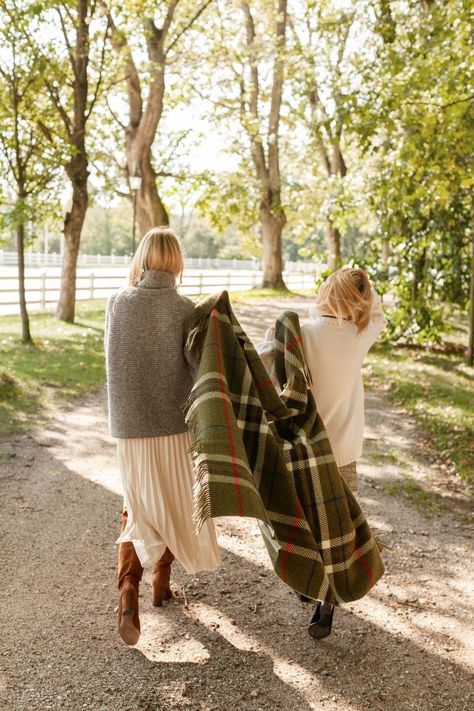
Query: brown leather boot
{"type": "Point", "coordinates": [129, 575]}
{"type": "Point", "coordinates": [161, 578]}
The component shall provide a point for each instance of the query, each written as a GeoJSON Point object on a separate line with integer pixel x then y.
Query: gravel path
{"type": "Point", "coordinates": [237, 638]}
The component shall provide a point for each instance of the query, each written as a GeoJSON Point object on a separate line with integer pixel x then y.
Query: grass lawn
{"type": "Point", "coordinates": [66, 360]}
{"type": "Point", "coordinates": [437, 389]}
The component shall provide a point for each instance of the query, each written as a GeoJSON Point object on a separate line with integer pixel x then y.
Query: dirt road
{"type": "Point", "coordinates": [235, 639]}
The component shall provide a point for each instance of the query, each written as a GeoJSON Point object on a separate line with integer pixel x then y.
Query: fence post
{"type": "Point", "coordinates": [43, 291]}
{"type": "Point", "coordinates": [228, 281]}
{"type": "Point", "coordinates": [200, 283]}
{"type": "Point", "coordinates": [91, 285]}
{"type": "Point", "coordinates": [254, 280]}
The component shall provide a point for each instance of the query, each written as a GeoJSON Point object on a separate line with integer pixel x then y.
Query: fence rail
{"type": "Point", "coordinates": [39, 259]}
{"type": "Point", "coordinates": [42, 288]}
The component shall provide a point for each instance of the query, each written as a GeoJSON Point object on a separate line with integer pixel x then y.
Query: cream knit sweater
{"type": "Point", "coordinates": [334, 354]}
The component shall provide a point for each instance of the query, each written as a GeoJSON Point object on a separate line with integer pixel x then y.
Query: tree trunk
{"type": "Point", "coordinates": [333, 241]}
{"type": "Point", "coordinates": [418, 276]}
{"type": "Point", "coordinates": [77, 168]}
{"type": "Point", "coordinates": [267, 167]}
{"type": "Point", "coordinates": [470, 348]}
{"type": "Point", "coordinates": [272, 261]}
{"type": "Point", "coordinates": [150, 210]}
{"type": "Point", "coordinates": [72, 235]}
{"type": "Point", "coordinates": [20, 248]}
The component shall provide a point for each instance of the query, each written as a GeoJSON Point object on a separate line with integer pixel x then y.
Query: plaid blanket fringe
{"type": "Point", "coordinates": [265, 454]}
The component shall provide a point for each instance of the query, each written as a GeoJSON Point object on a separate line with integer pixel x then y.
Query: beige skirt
{"type": "Point", "coordinates": [158, 477]}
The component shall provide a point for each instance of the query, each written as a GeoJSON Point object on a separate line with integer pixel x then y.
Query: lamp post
{"type": "Point", "coordinates": [135, 184]}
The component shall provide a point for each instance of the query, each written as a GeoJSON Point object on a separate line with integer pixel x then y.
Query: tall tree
{"type": "Point", "coordinates": [320, 37]}
{"type": "Point", "coordinates": [415, 122]}
{"type": "Point", "coordinates": [73, 83]}
{"type": "Point", "coordinates": [242, 81]}
{"type": "Point", "coordinates": [74, 111]}
{"type": "Point", "coordinates": [160, 31]}
{"type": "Point", "coordinates": [77, 167]}
{"type": "Point", "coordinates": [30, 168]}
{"type": "Point", "coordinates": [265, 148]}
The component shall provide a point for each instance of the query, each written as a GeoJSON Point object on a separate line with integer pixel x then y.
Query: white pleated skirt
{"type": "Point", "coordinates": [158, 477]}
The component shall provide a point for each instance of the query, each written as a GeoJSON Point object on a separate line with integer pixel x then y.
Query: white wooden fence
{"type": "Point", "coordinates": [39, 259]}
{"type": "Point", "coordinates": [42, 286]}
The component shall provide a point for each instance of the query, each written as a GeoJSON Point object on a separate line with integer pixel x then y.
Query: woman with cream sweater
{"type": "Point", "coordinates": [345, 322]}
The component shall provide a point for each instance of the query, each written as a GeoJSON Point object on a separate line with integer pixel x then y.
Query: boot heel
{"type": "Point", "coordinates": [320, 625]}
{"type": "Point", "coordinates": [127, 629]}
{"type": "Point", "coordinates": [161, 579]}
{"type": "Point", "coordinates": [160, 594]}
{"type": "Point", "coordinates": [128, 619]}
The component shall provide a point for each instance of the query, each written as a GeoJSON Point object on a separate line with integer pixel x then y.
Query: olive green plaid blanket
{"type": "Point", "coordinates": [266, 454]}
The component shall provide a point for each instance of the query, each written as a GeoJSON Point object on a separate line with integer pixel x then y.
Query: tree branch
{"type": "Point", "coordinates": [60, 108]}
{"type": "Point", "coordinates": [187, 26]}
{"type": "Point", "coordinates": [101, 70]}
{"type": "Point", "coordinates": [258, 153]}
{"type": "Point", "coordinates": [119, 42]}
{"type": "Point", "coordinates": [276, 96]}
{"type": "Point", "coordinates": [443, 106]}
{"type": "Point", "coordinates": [66, 41]}
{"type": "Point", "coordinates": [114, 116]}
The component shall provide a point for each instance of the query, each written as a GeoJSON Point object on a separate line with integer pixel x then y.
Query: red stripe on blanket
{"type": "Point", "coordinates": [292, 343]}
{"type": "Point", "coordinates": [365, 565]}
{"type": "Point", "coordinates": [225, 407]}
{"type": "Point", "coordinates": [291, 538]}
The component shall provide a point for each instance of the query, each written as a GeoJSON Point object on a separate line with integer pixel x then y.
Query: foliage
{"type": "Point", "coordinates": [28, 185]}
{"type": "Point", "coordinates": [108, 229]}
{"type": "Point", "coordinates": [415, 121]}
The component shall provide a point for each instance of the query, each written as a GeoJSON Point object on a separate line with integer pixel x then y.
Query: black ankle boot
{"type": "Point", "coordinates": [321, 621]}
{"type": "Point", "coordinates": [302, 598]}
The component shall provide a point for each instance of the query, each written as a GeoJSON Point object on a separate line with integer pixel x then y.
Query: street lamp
{"type": "Point", "coordinates": [135, 184]}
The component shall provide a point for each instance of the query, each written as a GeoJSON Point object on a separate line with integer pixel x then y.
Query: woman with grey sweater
{"type": "Point", "coordinates": [149, 377]}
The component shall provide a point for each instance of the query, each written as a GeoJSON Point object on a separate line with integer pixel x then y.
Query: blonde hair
{"type": "Point", "coordinates": [347, 295]}
{"type": "Point", "coordinates": [159, 249]}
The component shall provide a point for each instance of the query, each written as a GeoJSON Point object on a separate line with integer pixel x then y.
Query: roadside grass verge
{"type": "Point", "coordinates": [65, 362]}
{"type": "Point", "coordinates": [424, 501]}
{"type": "Point", "coordinates": [437, 389]}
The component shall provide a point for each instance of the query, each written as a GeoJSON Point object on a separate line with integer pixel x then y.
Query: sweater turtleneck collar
{"type": "Point", "coordinates": [156, 279]}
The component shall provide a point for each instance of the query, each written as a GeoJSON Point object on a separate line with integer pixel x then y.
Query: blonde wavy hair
{"type": "Point", "coordinates": [159, 249]}
{"type": "Point", "coordinates": [346, 295]}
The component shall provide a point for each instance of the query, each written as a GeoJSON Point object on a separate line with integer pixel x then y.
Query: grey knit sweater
{"type": "Point", "coordinates": [148, 375]}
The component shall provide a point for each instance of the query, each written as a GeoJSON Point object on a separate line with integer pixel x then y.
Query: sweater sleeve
{"type": "Point", "coordinates": [376, 313]}
{"type": "Point", "coordinates": [377, 322]}
{"type": "Point", "coordinates": [191, 360]}
{"type": "Point", "coordinates": [108, 311]}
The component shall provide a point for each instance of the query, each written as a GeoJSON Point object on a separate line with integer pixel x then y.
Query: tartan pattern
{"type": "Point", "coordinates": [265, 454]}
